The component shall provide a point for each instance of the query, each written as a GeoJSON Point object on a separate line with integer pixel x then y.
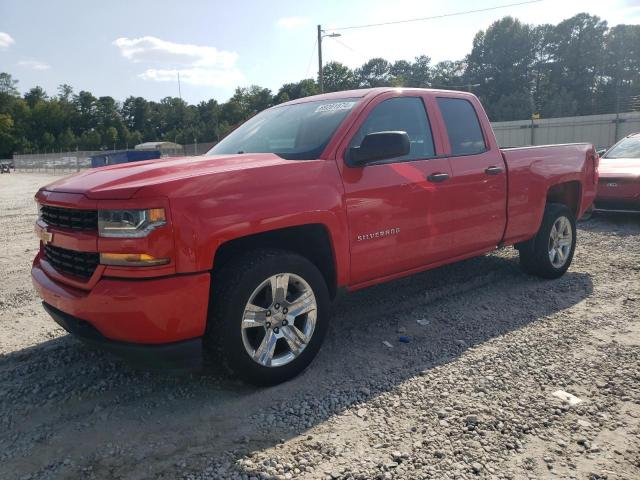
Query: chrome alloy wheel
{"type": "Point", "coordinates": [560, 241]}
{"type": "Point", "coordinates": [279, 320]}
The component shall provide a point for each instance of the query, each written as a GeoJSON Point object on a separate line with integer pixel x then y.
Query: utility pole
{"type": "Point", "coordinates": [616, 131]}
{"type": "Point", "coordinates": [320, 79]}
{"type": "Point", "coordinates": [320, 37]}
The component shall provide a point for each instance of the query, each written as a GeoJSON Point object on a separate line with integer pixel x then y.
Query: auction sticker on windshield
{"type": "Point", "coordinates": [332, 107]}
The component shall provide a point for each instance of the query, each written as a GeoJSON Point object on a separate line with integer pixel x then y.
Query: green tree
{"type": "Point", "coordinates": [621, 75]}
{"type": "Point", "coordinates": [577, 50]}
{"type": "Point", "coordinates": [90, 140]}
{"type": "Point", "coordinates": [420, 72]}
{"type": "Point", "coordinates": [8, 92]}
{"type": "Point", "coordinates": [337, 76]}
{"type": "Point", "coordinates": [449, 74]}
{"type": "Point", "coordinates": [35, 95]}
{"type": "Point", "coordinates": [7, 138]}
{"type": "Point", "coordinates": [374, 73]}
{"type": "Point", "coordinates": [500, 62]}
{"type": "Point", "coordinates": [291, 91]}
{"type": "Point", "coordinates": [67, 140]}
{"type": "Point", "coordinates": [110, 137]}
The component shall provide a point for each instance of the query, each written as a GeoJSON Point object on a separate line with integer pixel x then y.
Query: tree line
{"type": "Point", "coordinates": [580, 66]}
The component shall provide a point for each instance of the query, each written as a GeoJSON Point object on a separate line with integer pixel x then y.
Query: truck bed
{"type": "Point", "coordinates": [534, 171]}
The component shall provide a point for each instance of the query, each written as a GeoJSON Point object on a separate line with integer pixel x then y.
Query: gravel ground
{"type": "Point", "coordinates": [471, 395]}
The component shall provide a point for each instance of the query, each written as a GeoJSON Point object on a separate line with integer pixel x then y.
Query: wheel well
{"type": "Point", "coordinates": [566, 193]}
{"type": "Point", "coordinates": [311, 241]}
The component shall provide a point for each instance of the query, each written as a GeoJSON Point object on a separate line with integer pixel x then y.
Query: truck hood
{"type": "Point", "coordinates": [122, 181]}
{"type": "Point", "coordinates": [619, 167]}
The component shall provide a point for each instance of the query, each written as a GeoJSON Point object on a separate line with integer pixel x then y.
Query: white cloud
{"type": "Point", "coordinates": [5, 40]}
{"type": "Point", "coordinates": [34, 65]}
{"type": "Point", "coordinates": [198, 64]}
{"type": "Point", "coordinates": [209, 77]}
{"type": "Point", "coordinates": [291, 23]}
{"type": "Point", "coordinates": [153, 49]}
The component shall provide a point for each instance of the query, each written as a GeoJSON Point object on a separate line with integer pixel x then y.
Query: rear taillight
{"type": "Point", "coordinates": [596, 166]}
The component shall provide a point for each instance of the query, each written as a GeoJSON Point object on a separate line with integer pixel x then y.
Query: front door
{"type": "Point", "coordinates": [397, 208]}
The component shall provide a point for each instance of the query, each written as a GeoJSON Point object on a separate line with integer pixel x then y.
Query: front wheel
{"type": "Point", "coordinates": [268, 317]}
{"type": "Point", "coordinates": [550, 252]}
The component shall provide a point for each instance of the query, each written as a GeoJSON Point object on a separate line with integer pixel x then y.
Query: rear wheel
{"type": "Point", "coordinates": [268, 316]}
{"type": "Point", "coordinates": [550, 252]}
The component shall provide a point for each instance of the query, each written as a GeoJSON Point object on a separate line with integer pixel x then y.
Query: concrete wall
{"type": "Point", "coordinates": [597, 129]}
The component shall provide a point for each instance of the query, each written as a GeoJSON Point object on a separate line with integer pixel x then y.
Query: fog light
{"type": "Point", "coordinates": [131, 260]}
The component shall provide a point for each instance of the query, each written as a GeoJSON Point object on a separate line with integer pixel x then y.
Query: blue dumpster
{"type": "Point", "coordinates": [124, 156]}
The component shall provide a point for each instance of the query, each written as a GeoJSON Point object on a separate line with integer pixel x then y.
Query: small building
{"type": "Point", "coordinates": [165, 148]}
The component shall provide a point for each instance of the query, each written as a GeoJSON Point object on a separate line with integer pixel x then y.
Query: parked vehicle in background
{"type": "Point", "coordinates": [242, 249]}
{"type": "Point", "coordinates": [619, 185]}
{"type": "Point", "coordinates": [5, 168]}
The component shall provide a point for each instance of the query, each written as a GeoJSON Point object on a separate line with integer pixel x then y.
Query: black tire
{"type": "Point", "coordinates": [232, 287]}
{"type": "Point", "coordinates": [534, 253]}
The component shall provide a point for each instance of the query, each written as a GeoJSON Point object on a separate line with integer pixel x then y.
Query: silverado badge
{"type": "Point", "coordinates": [380, 234]}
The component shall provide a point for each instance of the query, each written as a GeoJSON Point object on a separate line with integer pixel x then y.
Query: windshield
{"type": "Point", "coordinates": [295, 132]}
{"type": "Point", "coordinates": [627, 148]}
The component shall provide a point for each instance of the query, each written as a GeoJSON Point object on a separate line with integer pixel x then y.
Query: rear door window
{"type": "Point", "coordinates": [463, 126]}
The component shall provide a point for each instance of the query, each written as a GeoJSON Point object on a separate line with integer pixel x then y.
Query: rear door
{"type": "Point", "coordinates": [397, 216]}
{"type": "Point", "coordinates": [478, 186]}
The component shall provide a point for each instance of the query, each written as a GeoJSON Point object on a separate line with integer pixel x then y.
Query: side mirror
{"type": "Point", "coordinates": [601, 152]}
{"type": "Point", "coordinates": [380, 146]}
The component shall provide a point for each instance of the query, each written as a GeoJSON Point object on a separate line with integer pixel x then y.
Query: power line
{"type": "Point", "coordinates": [445, 15]}
{"type": "Point", "coordinates": [345, 45]}
{"type": "Point", "coordinates": [313, 50]}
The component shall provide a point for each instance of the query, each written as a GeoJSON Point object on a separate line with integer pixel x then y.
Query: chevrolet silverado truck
{"type": "Point", "coordinates": [237, 254]}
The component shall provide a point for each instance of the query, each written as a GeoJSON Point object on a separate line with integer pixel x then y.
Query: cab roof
{"type": "Point", "coordinates": [368, 92]}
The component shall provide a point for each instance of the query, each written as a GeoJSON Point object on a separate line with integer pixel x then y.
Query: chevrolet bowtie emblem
{"type": "Point", "coordinates": [44, 236]}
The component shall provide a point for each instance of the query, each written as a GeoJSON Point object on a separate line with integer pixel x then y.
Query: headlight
{"type": "Point", "coordinates": [130, 223]}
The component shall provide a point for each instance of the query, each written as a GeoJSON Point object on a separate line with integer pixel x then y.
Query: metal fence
{"type": "Point", "coordinates": [601, 130]}
{"type": "Point", "coordinates": [64, 162]}
{"type": "Point", "coordinates": [53, 162]}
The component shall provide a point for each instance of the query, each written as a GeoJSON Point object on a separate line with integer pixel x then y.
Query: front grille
{"type": "Point", "coordinates": [72, 218]}
{"type": "Point", "coordinates": [78, 264]}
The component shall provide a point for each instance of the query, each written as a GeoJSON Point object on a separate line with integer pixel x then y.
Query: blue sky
{"type": "Point", "coordinates": [135, 47]}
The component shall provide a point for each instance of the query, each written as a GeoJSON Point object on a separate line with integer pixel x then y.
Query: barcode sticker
{"type": "Point", "coordinates": [332, 107]}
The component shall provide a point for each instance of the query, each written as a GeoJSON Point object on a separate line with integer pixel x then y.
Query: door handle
{"type": "Point", "coordinates": [493, 171]}
{"type": "Point", "coordinates": [438, 177]}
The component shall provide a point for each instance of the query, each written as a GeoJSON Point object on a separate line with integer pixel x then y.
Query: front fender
{"type": "Point", "coordinates": [229, 207]}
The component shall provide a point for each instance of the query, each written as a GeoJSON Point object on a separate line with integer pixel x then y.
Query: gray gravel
{"type": "Point", "coordinates": [470, 396]}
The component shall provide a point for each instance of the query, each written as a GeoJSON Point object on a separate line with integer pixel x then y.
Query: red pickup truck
{"type": "Point", "coordinates": [242, 249]}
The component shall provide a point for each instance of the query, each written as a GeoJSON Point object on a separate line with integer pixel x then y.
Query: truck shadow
{"type": "Point", "coordinates": [60, 396]}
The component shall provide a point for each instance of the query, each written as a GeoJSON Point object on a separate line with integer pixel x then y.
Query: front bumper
{"type": "Point", "coordinates": [618, 194]}
{"type": "Point", "coordinates": [139, 311]}
{"type": "Point", "coordinates": [183, 354]}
